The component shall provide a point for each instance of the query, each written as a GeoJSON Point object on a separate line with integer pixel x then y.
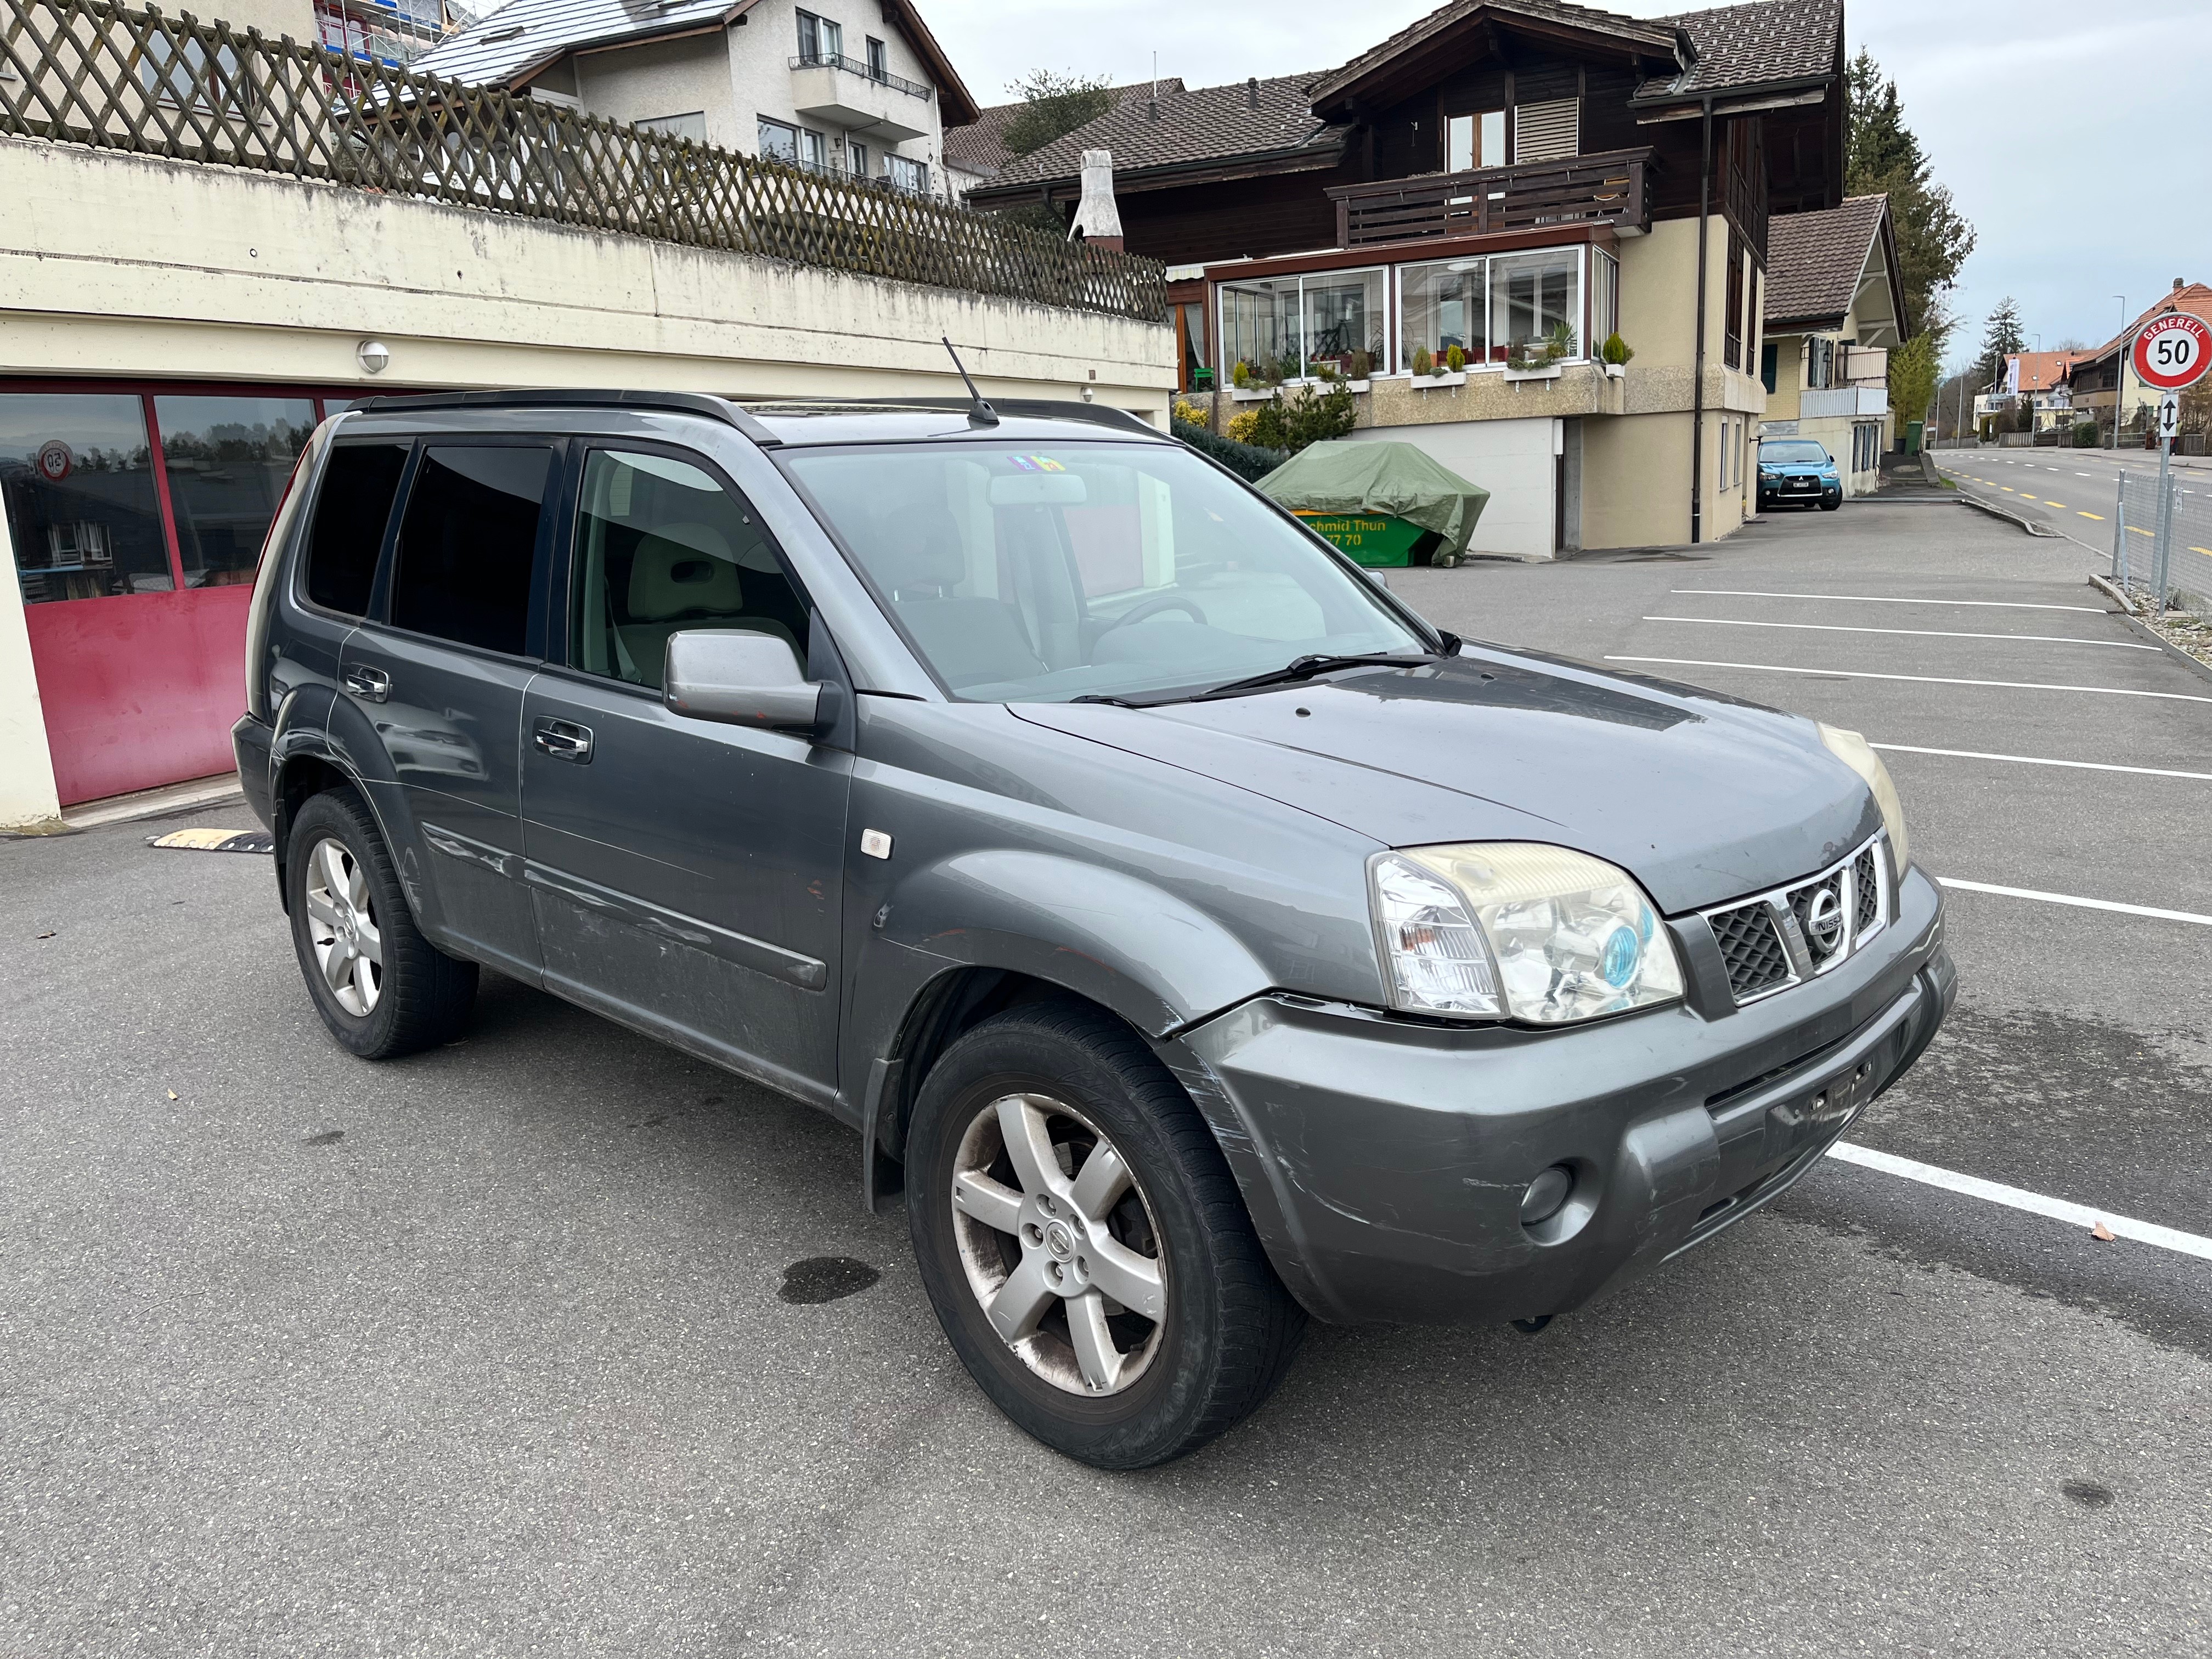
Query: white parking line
{"type": "Point", "coordinates": [2029, 760]}
{"type": "Point", "coordinates": [2078, 903]}
{"type": "Point", "coordinates": [1914, 633]}
{"type": "Point", "coordinates": [1919, 679]}
{"type": "Point", "coordinates": [2017, 1198]}
{"type": "Point", "coordinates": [1877, 598]}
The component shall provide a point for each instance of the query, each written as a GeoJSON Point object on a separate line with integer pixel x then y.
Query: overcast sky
{"type": "Point", "coordinates": [2065, 130]}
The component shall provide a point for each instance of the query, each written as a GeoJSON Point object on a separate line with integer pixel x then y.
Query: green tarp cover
{"type": "Point", "coordinates": [1343, 476]}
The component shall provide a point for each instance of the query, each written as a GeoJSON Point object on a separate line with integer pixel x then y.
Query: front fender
{"type": "Point", "coordinates": [1152, 958]}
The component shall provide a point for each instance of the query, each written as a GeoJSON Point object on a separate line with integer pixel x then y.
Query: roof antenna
{"type": "Point", "coordinates": [979, 413]}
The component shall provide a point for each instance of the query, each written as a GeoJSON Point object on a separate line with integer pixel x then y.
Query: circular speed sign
{"type": "Point", "coordinates": [2173, 350]}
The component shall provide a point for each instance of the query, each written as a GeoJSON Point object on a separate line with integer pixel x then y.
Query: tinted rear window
{"type": "Point", "coordinates": [467, 542]}
{"type": "Point", "coordinates": [349, 518]}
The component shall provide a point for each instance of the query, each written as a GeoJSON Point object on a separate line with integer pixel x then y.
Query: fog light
{"type": "Point", "coordinates": [1546, 1194]}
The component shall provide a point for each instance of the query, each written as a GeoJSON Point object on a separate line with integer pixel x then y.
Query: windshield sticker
{"type": "Point", "coordinates": [1037, 464]}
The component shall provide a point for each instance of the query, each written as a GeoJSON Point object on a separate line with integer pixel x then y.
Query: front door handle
{"type": "Point", "coordinates": [564, 740]}
{"type": "Point", "coordinates": [369, 684]}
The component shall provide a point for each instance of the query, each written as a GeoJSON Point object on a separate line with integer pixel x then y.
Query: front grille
{"type": "Point", "coordinates": [1751, 949]}
{"type": "Point", "coordinates": [1869, 882]}
{"type": "Point", "coordinates": [1819, 908]}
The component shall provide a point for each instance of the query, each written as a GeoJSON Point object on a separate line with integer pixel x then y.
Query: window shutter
{"type": "Point", "coordinates": [1548, 131]}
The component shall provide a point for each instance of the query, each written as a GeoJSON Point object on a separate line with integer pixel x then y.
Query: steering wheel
{"type": "Point", "coordinates": [1152, 608]}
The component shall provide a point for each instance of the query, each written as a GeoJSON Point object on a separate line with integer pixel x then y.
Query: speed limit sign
{"type": "Point", "coordinates": [2172, 351]}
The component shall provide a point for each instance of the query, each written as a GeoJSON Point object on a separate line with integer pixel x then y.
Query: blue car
{"type": "Point", "coordinates": [1798, 471]}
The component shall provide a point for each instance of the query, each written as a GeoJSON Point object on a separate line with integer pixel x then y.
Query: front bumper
{"type": "Point", "coordinates": [1785, 493]}
{"type": "Point", "coordinates": [1395, 1154]}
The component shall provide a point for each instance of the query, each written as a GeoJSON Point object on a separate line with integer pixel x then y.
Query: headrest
{"type": "Point", "coordinates": [684, 567]}
{"type": "Point", "coordinates": [916, 545]}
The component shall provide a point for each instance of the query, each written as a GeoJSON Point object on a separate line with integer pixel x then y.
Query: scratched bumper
{"type": "Point", "coordinates": [1395, 1153]}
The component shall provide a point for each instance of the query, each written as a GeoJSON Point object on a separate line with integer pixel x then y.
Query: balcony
{"type": "Point", "coordinates": [1602, 188]}
{"type": "Point", "coordinates": [843, 91]}
{"type": "Point", "coordinates": [1850, 402]}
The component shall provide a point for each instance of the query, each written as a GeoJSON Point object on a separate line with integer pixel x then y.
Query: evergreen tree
{"type": "Point", "coordinates": [1883, 156]}
{"type": "Point", "coordinates": [1055, 106]}
{"type": "Point", "coordinates": [2002, 339]}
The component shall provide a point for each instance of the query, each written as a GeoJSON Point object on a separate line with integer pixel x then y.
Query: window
{"type": "Point", "coordinates": [1443, 305]}
{"type": "Point", "coordinates": [1286, 327]}
{"type": "Point", "coordinates": [779, 140]}
{"type": "Point", "coordinates": [77, 472]}
{"type": "Point", "coordinates": [813, 149]}
{"type": "Point", "coordinates": [820, 40]}
{"type": "Point", "coordinates": [661, 547]}
{"type": "Point", "coordinates": [1190, 323]}
{"type": "Point", "coordinates": [1605, 296]}
{"type": "Point", "coordinates": [1770, 366]}
{"type": "Point", "coordinates": [1474, 141]}
{"type": "Point", "coordinates": [880, 67]}
{"type": "Point", "coordinates": [227, 459]}
{"type": "Point", "coordinates": [692, 126]}
{"type": "Point", "coordinates": [351, 513]}
{"type": "Point", "coordinates": [1732, 332]}
{"type": "Point", "coordinates": [467, 544]}
{"type": "Point", "coordinates": [856, 155]}
{"type": "Point", "coordinates": [1018, 574]}
{"type": "Point", "coordinates": [908, 174]}
{"type": "Point", "coordinates": [1534, 296]}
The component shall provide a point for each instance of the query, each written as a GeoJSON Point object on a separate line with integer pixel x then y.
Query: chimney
{"type": "Point", "coordinates": [1252, 91]}
{"type": "Point", "coordinates": [1097, 220]}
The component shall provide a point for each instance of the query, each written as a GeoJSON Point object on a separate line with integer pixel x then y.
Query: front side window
{"type": "Point", "coordinates": [468, 542]}
{"type": "Point", "coordinates": [229, 459]}
{"type": "Point", "coordinates": [662, 546]}
{"type": "Point", "coordinates": [358, 487]}
{"type": "Point", "coordinates": [779, 140]}
{"type": "Point", "coordinates": [1042, 574]}
{"type": "Point", "coordinates": [77, 472]}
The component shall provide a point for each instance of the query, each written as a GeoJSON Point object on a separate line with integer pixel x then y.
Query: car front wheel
{"type": "Point", "coordinates": [1083, 1243]}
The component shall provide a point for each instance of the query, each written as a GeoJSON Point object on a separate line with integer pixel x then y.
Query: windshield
{"type": "Point", "coordinates": [1038, 573]}
{"type": "Point", "coordinates": [1796, 451]}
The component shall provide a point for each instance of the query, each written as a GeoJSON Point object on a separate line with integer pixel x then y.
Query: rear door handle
{"type": "Point", "coordinates": [369, 684]}
{"type": "Point", "coordinates": [564, 740]}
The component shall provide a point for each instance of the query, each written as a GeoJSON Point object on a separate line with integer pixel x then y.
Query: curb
{"type": "Point", "coordinates": [2139, 626]}
{"type": "Point", "coordinates": [2111, 591]}
{"type": "Point", "coordinates": [1996, 512]}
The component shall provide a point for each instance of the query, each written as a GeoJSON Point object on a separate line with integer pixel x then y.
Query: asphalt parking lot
{"type": "Point", "coordinates": [488, 1351]}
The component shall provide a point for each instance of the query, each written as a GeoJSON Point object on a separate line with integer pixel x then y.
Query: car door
{"type": "Point", "coordinates": [687, 875]}
{"type": "Point", "coordinates": [438, 670]}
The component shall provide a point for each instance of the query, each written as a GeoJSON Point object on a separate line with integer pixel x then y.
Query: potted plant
{"type": "Point", "coordinates": [1615, 354]}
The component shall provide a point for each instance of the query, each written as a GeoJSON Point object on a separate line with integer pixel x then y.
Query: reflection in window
{"type": "Point", "coordinates": [908, 174]}
{"type": "Point", "coordinates": [1442, 306]}
{"type": "Point", "coordinates": [1532, 294]}
{"type": "Point", "coordinates": [467, 542]}
{"type": "Point", "coordinates": [779, 140]}
{"type": "Point", "coordinates": [74, 471]}
{"type": "Point", "coordinates": [1282, 328]}
{"type": "Point", "coordinates": [229, 459]}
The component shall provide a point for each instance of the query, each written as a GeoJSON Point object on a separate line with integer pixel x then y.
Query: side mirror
{"type": "Point", "coordinates": [741, 678]}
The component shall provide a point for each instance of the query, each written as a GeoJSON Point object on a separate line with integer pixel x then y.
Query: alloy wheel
{"type": "Point", "coordinates": [1060, 1244]}
{"type": "Point", "coordinates": [341, 925]}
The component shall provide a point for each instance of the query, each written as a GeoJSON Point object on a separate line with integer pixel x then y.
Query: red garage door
{"type": "Point", "coordinates": [136, 516]}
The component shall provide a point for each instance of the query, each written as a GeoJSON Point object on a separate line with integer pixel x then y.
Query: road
{"type": "Point", "coordinates": [482, 1352]}
{"type": "Point", "coordinates": [2074, 493]}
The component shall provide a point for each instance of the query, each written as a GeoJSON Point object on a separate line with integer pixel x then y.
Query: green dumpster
{"type": "Point", "coordinates": [1386, 505]}
{"type": "Point", "coordinates": [1381, 541]}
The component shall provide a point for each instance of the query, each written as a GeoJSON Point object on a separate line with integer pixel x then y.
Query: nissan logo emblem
{"type": "Point", "coordinates": [1823, 920]}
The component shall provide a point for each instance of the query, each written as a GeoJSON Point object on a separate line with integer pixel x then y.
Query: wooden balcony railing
{"type": "Point", "coordinates": [1607, 189]}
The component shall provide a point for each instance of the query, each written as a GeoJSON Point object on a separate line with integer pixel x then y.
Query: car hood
{"type": "Point", "coordinates": [1797, 469]}
{"type": "Point", "coordinates": [1702, 797]}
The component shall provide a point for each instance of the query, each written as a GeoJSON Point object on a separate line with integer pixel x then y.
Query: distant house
{"type": "Point", "coordinates": [1835, 307]}
{"type": "Point", "coordinates": [2101, 384]}
{"type": "Point", "coordinates": [1514, 180]}
{"type": "Point", "coordinates": [2040, 380]}
{"type": "Point", "coordinates": [975, 154]}
{"type": "Point", "coordinates": [765, 77]}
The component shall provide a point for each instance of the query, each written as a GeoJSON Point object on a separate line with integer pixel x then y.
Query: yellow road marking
{"type": "Point", "coordinates": [2007, 490]}
{"type": "Point", "coordinates": [2030, 498]}
{"type": "Point", "coordinates": [2078, 514]}
{"type": "Point", "coordinates": [2206, 551]}
{"type": "Point", "coordinates": [2060, 505]}
{"type": "Point", "coordinates": [2137, 530]}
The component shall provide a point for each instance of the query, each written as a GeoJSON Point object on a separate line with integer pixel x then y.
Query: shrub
{"type": "Point", "coordinates": [1559, 342]}
{"type": "Point", "coordinates": [1455, 360]}
{"type": "Point", "coordinates": [1241, 458]}
{"type": "Point", "coordinates": [1304, 417]}
{"type": "Point", "coordinates": [1190, 413]}
{"type": "Point", "coordinates": [1424, 365]}
{"type": "Point", "coordinates": [1616, 349]}
{"type": "Point", "coordinates": [1362, 365]}
{"type": "Point", "coordinates": [1240, 376]}
{"type": "Point", "coordinates": [2085, 435]}
{"type": "Point", "coordinates": [1241, 424]}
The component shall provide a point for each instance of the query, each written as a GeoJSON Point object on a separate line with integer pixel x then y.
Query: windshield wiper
{"type": "Point", "coordinates": [1306, 668]}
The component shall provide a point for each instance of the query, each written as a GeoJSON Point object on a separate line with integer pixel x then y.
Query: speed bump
{"type": "Point", "coordinates": [216, 841]}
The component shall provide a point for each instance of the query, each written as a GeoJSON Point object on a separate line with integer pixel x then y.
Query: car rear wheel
{"type": "Point", "coordinates": [382, 989]}
{"type": "Point", "coordinates": [1083, 1243]}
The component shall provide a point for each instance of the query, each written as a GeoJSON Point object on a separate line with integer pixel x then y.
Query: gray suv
{"type": "Point", "coordinates": [1200, 939]}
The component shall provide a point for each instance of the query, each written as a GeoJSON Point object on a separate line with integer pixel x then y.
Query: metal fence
{"type": "Point", "coordinates": [99, 73]}
{"type": "Point", "coordinates": [2167, 555]}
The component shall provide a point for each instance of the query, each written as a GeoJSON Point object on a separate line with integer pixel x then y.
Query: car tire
{"type": "Point", "coordinates": [1830, 506]}
{"type": "Point", "coordinates": [1118, 1384]}
{"type": "Point", "coordinates": [382, 989]}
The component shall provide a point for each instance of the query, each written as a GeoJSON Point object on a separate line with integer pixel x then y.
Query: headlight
{"type": "Point", "coordinates": [1856, 752]}
{"type": "Point", "coordinates": [1516, 930]}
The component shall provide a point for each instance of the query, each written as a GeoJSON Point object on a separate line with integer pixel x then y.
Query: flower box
{"type": "Point", "coordinates": [1549, 372]}
{"type": "Point", "coordinates": [1253, 394]}
{"type": "Point", "coordinates": [1426, 382]}
{"type": "Point", "coordinates": [1616, 371]}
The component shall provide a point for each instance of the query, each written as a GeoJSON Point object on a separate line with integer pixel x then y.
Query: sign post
{"type": "Point", "coordinates": [2171, 351]}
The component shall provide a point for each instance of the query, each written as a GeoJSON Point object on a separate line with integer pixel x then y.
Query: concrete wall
{"type": "Point", "coordinates": [1510, 459]}
{"type": "Point", "coordinates": [27, 799]}
{"type": "Point", "coordinates": [122, 265]}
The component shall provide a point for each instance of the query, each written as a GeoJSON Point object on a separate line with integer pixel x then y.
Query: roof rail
{"type": "Point", "coordinates": [680, 403]}
{"type": "Point", "coordinates": [1046, 408]}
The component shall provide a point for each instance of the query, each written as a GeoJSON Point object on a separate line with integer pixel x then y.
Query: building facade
{"type": "Point", "coordinates": [1835, 310]}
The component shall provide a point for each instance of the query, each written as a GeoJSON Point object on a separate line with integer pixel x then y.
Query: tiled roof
{"type": "Point", "coordinates": [2039, 370]}
{"type": "Point", "coordinates": [1204, 124]}
{"type": "Point", "coordinates": [502, 44]}
{"type": "Point", "coordinates": [980, 146]}
{"type": "Point", "coordinates": [1813, 259]}
{"type": "Point", "coordinates": [1753, 45]}
{"type": "Point", "coordinates": [1654, 36]}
